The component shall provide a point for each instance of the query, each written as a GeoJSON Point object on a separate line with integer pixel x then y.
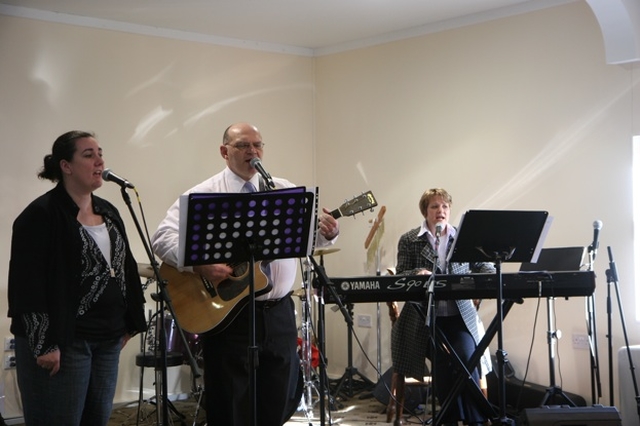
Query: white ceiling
{"type": "Point", "coordinates": [287, 25]}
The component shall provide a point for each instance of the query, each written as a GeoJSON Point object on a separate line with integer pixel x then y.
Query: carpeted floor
{"type": "Point", "coordinates": [351, 412]}
{"type": "Point", "coordinates": [355, 405]}
{"type": "Point", "coordinates": [352, 406]}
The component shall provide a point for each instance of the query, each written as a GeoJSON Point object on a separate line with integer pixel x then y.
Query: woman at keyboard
{"type": "Point", "coordinates": [423, 251]}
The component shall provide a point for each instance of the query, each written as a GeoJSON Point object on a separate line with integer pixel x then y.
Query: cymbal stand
{"type": "Point", "coordinates": [378, 322]}
{"type": "Point", "coordinates": [197, 388]}
{"type": "Point", "coordinates": [149, 338]}
{"type": "Point", "coordinates": [322, 282]}
{"type": "Point", "coordinates": [310, 389]}
{"type": "Point", "coordinates": [378, 333]}
{"type": "Point", "coordinates": [197, 392]}
{"type": "Point", "coordinates": [552, 335]}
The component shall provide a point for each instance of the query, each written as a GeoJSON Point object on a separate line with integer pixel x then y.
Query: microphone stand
{"type": "Point", "coordinates": [431, 325]}
{"type": "Point", "coordinates": [612, 278]}
{"type": "Point", "coordinates": [160, 355]}
{"type": "Point", "coordinates": [596, 386]}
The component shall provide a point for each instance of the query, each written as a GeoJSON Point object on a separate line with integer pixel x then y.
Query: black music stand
{"type": "Point", "coordinates": [236, 228]}
{"type": "Point", "coordinates": [499, 236]}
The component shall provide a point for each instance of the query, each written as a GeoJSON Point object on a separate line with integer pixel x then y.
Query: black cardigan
{"type": "Point", "coordinates": [44, 270]}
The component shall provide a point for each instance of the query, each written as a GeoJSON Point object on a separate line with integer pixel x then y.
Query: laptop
{"type": "Point", "coordinates": [557, 259]}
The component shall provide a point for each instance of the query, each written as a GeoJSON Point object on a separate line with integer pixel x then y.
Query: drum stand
{"type": "Point", "coordinates": [157, 322]}
{"type": "Point", "coordinates": [308, 373]}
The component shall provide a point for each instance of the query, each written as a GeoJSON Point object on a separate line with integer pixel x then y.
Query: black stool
{"type": "Point", "coordinates": [149, 359]}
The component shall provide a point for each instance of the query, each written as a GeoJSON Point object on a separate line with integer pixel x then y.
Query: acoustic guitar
{"type": "Point", "coordinates": [203, 306]}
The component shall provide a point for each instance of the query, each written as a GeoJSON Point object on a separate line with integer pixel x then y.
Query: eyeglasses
{"type": "Point", "coordinates": [244, 146]}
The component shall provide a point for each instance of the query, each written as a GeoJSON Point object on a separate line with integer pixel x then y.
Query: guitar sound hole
{"type": "Point", "coordinates": [230, 289]}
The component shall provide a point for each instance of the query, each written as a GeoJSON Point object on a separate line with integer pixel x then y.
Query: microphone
{"type": "Point", "coordinates": [439, 227]}
{"type": "Point", "coordinates": [597, 226]}
{"type": "Point", "coordinates": [257, 164]}
{"type": "Point", "coordinates": [109, 176]}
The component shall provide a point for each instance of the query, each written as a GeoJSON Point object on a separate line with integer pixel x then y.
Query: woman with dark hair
{"type": "Point", "coordinates": [75, 296]}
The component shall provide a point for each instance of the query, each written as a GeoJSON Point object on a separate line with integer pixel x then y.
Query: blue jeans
{"type": "Point", "coordinates": [81, 393]}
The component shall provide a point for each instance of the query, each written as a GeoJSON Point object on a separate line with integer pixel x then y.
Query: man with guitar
{"type": "Point", "coordinates": [226, 364]}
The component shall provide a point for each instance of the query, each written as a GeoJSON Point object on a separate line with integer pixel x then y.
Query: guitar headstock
{"type": "Point", "coordinates": [358, 204]}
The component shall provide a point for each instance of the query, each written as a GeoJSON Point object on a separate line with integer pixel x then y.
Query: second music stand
{"type": "Point", "coordinates": [237, 227]}
{"type": "Point", "coordinates": [500, 236]}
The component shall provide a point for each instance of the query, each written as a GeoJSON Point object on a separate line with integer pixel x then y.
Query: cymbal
{"type": "Point", "coordinates": [299, 293]}
{"type": "Point", "coordinates": [145, 270]}
{"type": "Point", "coordinates": [322, 252]}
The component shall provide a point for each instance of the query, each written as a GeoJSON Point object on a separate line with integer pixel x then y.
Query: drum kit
{"type": "Point", "coordinates": [174, 342]}
{"type": "Point", "coordinates": [179, 350]}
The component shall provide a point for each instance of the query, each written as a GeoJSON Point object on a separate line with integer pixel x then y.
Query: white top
{"type": "Point", "coordinates": [100, 235]}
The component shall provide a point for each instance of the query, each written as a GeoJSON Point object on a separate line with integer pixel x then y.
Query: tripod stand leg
{"type": "Point", "coordinates": [350, 373]}
{"type": "Point", "coordinates": [200, 394]}
{"type": "Point", "coordinates": [552, 394]}
{"type": "Point", "coordinates": [175, 411]}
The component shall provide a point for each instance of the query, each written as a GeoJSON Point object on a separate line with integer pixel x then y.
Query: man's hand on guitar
{"type": "Point", "coordinates": [214, 273]}
{"type": "Point", "coordinates": [329, 227]}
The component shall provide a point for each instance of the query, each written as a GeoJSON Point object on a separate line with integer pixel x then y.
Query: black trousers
{"type": "Point", "coordinates": [226, 368]}
{"type": "Point", "coordinates": [446, 370]}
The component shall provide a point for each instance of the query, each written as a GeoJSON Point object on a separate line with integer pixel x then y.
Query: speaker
{"type": "Point", "coordinates": [520, 395]}
{"type": "Point", "coordinates": [562, 415]}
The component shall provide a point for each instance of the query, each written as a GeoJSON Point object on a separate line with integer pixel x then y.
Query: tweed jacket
{"type": "Point", "coordinates": [409, 336]}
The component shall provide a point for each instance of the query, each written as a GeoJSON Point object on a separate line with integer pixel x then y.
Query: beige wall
{"type": "Point", "coordinates": [517, 113]}
{"type": "Point", "coordinates": [159, 108]}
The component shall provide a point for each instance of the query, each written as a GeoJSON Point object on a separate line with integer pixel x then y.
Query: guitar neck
{"type": "Point", "coordinates": [358, 204]}
{"type": "Point", "coordinates": [337, 214]}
